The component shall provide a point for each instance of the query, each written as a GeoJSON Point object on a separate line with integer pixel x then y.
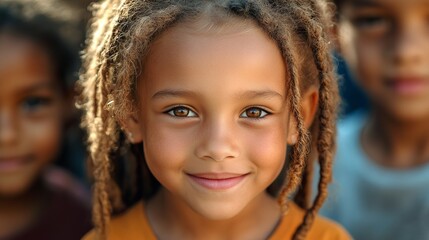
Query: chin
{"type": "Point", "coordinates": [411, 114]}
{"type": "Point", "coordinates": [13, 190]}
{"type": "Point", "coordinates": [405, 112]}
{"type": "Point", "coordinates": [217, 211]}
{"type": "Point", "coordinates": [15, 185]}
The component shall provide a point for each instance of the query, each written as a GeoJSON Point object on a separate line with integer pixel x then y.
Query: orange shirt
{"type": "Point", "coordinates": [133, 224]}
{"type": "Point", "coordinates": [322, 228]}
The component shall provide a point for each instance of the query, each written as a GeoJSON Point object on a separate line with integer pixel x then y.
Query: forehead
{"type": "Point", "coordinates": [16, 49]}
{"type": "Point", "coordinates": [23, 63]}
{"type": "Point", "coordinates": [210, 34]}
{"type": "Point", "coordinates": [204, 56]}
{"type": "Point", "coordinates": [388, 4]}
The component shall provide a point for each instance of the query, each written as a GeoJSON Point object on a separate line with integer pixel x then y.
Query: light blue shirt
{"type": "Point", "coordinates": [373, 202]}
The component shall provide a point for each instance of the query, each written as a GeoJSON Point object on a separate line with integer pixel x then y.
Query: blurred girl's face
{"type": "Point", "coordinates": [30, 113]}
{"type": "Point", "coordinates": [386, 44]}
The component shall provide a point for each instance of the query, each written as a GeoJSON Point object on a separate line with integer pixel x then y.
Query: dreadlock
{"type": "Point", "coordinates": [121, 33]}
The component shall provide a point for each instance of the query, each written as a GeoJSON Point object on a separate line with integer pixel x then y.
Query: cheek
{"type": "Point", "coordinates": [166, 148]}
{"type": "Point", "coordinates": [369, 61]}
{"type": "Point", "coordinates": [44, 136]}
{"type": "Point", "coordinates": [266, 147]}
{"type": "Point", "coordinates": [363, 54]}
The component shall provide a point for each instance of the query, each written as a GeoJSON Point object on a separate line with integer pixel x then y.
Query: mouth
{"type": "Point", "coordinates": [408, 86]}
{"type": "Point", "coordinates": [11, 164]}
{"type": "Point", "coordinates": [217, 181]}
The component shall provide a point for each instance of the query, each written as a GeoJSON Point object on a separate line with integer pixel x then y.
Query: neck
{"type": "Point", "coordinates": [19, 211]}
{"type": "Point", "coordinates": [396, 144]}
{"type": "Point", "coordinates": [173, 217]}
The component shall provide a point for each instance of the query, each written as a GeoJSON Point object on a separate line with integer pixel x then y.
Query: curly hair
{"type": "Point", "coordinates": [122, 32]}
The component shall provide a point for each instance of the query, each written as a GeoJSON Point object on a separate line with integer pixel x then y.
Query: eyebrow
{"type": "Point", "coordinates": [246, 94]}
{"type": "Point", "coordinates": [36, 87]}
{"type": "Point", "coordinates": [173, 93]}
{"type": "Point", "coordinates": [260, 94]}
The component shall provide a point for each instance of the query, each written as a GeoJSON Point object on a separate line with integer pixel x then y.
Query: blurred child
{"type": "Point", "coordinates": [381, 175]}
{"type": "Point", "coordinates": [36, 201]}
{"type": "Point", "coordinates": [210, 93]}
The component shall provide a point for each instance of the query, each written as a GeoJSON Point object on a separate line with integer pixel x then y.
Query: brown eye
{"type": "Point", "coordinates": [181, 112]}
{"type": "Point", "coordinates": [254, 112]}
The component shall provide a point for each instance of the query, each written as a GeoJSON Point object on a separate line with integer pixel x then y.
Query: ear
{"type": "Point", "coordinates": [309, 105]}
{"type": "Point", "coordinates": [308, 108]}
{"type": "Point", "coordinates": [131, 125]}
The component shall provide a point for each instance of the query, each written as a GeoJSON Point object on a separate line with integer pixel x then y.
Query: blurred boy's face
{"type": "Point", "coordinates": [30, 114]}
{"type": "Point", "coordinates": [386, 45]}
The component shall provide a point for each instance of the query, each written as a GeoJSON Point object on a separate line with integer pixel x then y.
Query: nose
{"type": "Point", "coordinates": [8, 128]}
{"type": "Point", "coordinates": [217, 141]}
{"type": "Point", "coordinates": [409, 45]}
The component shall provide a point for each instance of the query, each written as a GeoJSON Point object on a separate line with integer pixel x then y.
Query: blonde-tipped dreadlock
{"type": "Point", "coordinates": [122, 31]}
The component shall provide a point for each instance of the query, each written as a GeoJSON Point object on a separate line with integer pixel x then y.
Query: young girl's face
{"type": "Point", "coordinates": [30, 113]}
{"type": "Point", "coordinates": [386, 43]}
{"type": "Point", "coordinates": [213, 116]}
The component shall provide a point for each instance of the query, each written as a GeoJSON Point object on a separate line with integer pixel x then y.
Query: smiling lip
{"type": "Point", "coordinates": [10, 164]}
{"type": "Point", "coordinates": [408, 85]}
{"type": "Point", "coordinates": [217, 181]}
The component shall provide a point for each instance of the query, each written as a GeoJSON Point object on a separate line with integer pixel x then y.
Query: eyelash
{"type": "Point", "coordinates": [172, 112]}
{"type": "Point", "coordinates": [263, 113]}
{"type": "Point", "coordinates": [190, 113]}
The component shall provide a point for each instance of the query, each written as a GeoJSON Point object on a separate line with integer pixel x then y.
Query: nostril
{"type": "Point", "coordinates": [217, 151]}
{"type": "Point", "coordinates": [217, 141]}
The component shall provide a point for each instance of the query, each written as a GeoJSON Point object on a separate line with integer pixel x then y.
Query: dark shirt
{"type": "Point", "coordinates": [64, 217]}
